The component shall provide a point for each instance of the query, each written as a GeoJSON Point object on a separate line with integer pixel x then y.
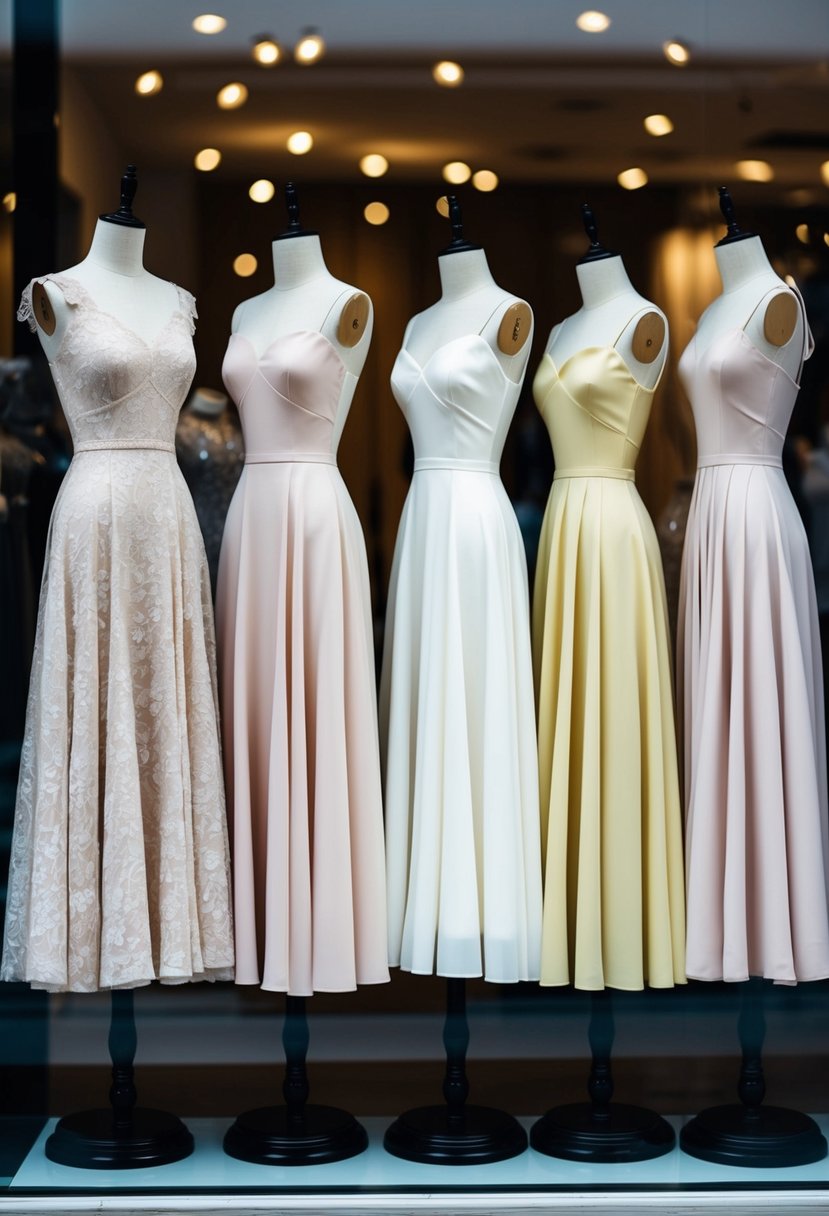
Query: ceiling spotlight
{"type": "Point", "coordinates": [632, 179]}
{"type": "Point", "coordinates": [310, 48]}
{"type": "Point", "coordinates": [824, 172]}
{"type": "Point", "coordinates": [802, 233]}
{"type": "Point", "coordinates": [207, 160]}
{"type": "Point", "coordinates": [658, 124]}
{"type": "Point", "coordinates": [149, 83]}
{"type": "Point", "coordinates": [456, 172]}
{"type": "Point", "coordinates": [485, 180]}
{"type": "Point", "coordinates": [676, 52]}
{"type": "Point", "coordinates": [448, 73]}
{"type": "Point", "coordinates": [376, 213]}
{"type": "Point", "coordinates": [232, 96]}
{"type": "Point", "coordinates": [754, 170]}
{"type": "Point", "coordinates": [9, 201]}
{"type": "Point", "coordinates": [266, 50]}
{"type": "Point", "coordinates": [442, 206]}
{"type": "Point", "coordinates": [245, 265]}
{"type": "Point", "coordinates": [374, 165]}
{"type": "Point", "coordinates": [209, 23]}
{"type": "Point", "coordinates": [262, 191]}
{"type": "Point", "coordinates": [300, 142]}
{"type": "Point", "coordinates": [593, 22]}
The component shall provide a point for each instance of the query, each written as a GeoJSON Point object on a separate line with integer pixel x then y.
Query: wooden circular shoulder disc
{"type": "Point", "coordinates": [353, 319]}
{"type": "Point", "coordinates": [515, 327]}
{"type": "Point", "coordinates": [780, 319]}
{"type": "Point", "coordinates": [42, 308]}
{"type": "Point", "coordinates": [648, 337]}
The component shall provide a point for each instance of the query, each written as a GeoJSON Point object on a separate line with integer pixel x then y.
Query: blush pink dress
{"type": "Point", "coordinates": [297, 684]}
{"type": "Point", "coordinates": [750, 685]}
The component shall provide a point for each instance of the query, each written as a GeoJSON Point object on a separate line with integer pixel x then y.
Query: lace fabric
{"type": "Point", "coordinates": [120, 863]}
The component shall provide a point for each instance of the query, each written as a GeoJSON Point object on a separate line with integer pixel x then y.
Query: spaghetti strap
{"type": "Point", "coordinates": [807, 348]}
{"type": "Point", "coordinates": [636, 318]}
{"type": "Point", "coordinates": [496, 309]}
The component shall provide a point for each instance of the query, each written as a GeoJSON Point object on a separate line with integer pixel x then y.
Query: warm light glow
{"type": "Point", "coordinates": [374, 165]}
{"type": "Point", "coordinates": [208, 159]}
{"type": "Point", "coordinates": [485, 180]}
{"type": "Point", "coordinates": [658, 124]}
{"type": "Point", "coordinates": [448, 73]}
{"type": "Point", "coordinates": [300, 142]}
{"type": "Point", "coordinates": [824, 172]}
{"type": "Point", "coordinates": [209, 23]}
{"type": "Point", "coordinates": [232, 96]}
{"type": "Point", "coordinates": [245, 265]}
{"type": "Point", "coordinates": [676, 53]}
{"type": "Point", "coordinates": [376, 213]}
{"type": "Point", "coordinates": [754, 170]}
{"type": "Point", "coordinates": [266, 51]}
{"type": "Point", "coordinates": [456, 172]}
{"type": "Point", "coordinates": [149, 83]}
{"type": "Point", "coordinates": [826, 238]}
{"type": "Point", "coordinates": [802, 233]}
{"type": "Point", "coordinates": [632, 179]}
{"type": "Point", "coordinates": [593, 22]}
{"type": "Point", "coordinates": [442, 206]}
{"type": "Point", "coordinates": [9, 201]}
{"type": "Point", "coordinates": [262, 191]}
{"type": "Point", "coordinates": [310, 47]}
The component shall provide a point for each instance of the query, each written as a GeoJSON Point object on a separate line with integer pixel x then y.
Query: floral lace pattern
{"type": "Point", "coordinates": [120, 862]}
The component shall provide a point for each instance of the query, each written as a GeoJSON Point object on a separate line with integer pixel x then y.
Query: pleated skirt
{"type": "Point", "coordinates": [299, 722]}
{"type": "Point", "coordinates": [751, 696]}
{"type": "Point", "coordinates": [613, 896]}
{"type": "Point", "coordinates": [120, 869]}
{"type": "Point", "coordinates": [457, 730]}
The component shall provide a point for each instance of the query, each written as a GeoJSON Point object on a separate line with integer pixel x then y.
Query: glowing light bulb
{"type": "Point", "coordinates": [593, 22]}
{"type": "Point", "coordinates": [266, 50]}
{"type": "Point", "coordinates": [448, 73]}
{"type": "Point", "coordinates": [209, 23]}
{"type": "Point", "coordinates": [658, 124]}
{"type": "Point", "coordinates": [754, 170]}
{"type": "Point", "coordinates": [374, 165]}
{"type": "Point", "coordinates": [676, 52]}
{"type": "Point", "coordinates": [824, 172]}
{"type": "Point", "coordinates": [442, 206]}
{"type": "Point", "coordinates": [262, 191]}
{"type": "Point", "coordinates": [485, 180]}
{"type": "Point", "coordinates": [300, 142]}
{"type": "Point", "coordinates": [456, 172]}
{"type": "Point", "coordinates": [802, 233]}
{"type": "Point", "coordinates": [232, 96]}
{"type": "Point", "coordinates": [632, 179]}
{"type": "Point", "coordinates": [310, 48]}
{"type": "Point", "coordinates": [207, 160]}
{"type": "Point", "coordinates": [149, 83]}
{"type": "Point", "coordinates": [9, 201]}
{"type": "Point", "coordinates": [245, 265]}
{"type": "Point", "coordinates": [376, 213]}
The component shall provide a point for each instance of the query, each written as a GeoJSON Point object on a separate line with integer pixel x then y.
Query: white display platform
{"type": "Point", "coordinates": [377, 1183]}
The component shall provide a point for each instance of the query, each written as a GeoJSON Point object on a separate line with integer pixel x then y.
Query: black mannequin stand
{"type": "Point", "coordinates": [455, 1134]}
{"type": "Point", "coordinates": [749, 1133]}
{"type": "Point", "coordinates": [600, 1130]}
{"type": "Point", "coordinates": [297, 1133]}
{"type": "Point", "coordinates": [123, 1136]}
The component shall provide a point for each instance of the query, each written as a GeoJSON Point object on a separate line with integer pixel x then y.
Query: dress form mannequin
{"type": "Point", "coordinates": [471, 306]}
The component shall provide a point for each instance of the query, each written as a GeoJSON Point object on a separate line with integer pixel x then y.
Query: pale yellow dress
{"type": "Point", "coordinates": [614, 905]}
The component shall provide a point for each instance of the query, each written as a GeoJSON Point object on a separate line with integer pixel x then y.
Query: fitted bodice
{"type": "Point", "coordinates": [595, 410]}
{"type": "Point", "coordinates": [742, 400]}
{"type": "Point", "coordinates": [289, 396]}
{"type": "Point", "coordinates": [459, 404]}
{"type": "Point", "coordinates": [116, 389]}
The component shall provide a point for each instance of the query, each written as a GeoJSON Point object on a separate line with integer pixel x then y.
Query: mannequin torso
{"type": "Point", "coordinates": [114, 276]}
{"type": "Point", "coordinates": [471, 303]}
{"type": "Point", "coordinates": [613, 314]}
{"type": "Point", "coordinates": [756, 300]}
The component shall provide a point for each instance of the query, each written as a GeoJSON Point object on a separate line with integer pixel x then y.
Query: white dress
{"type": "Point", "coordinates": [457, 715]}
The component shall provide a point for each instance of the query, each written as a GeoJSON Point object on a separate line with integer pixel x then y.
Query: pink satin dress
{"type": "Point", "coordinates": [297, 684]}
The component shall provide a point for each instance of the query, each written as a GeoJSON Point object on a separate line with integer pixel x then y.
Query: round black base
{"type": "Point", "coordinates": [481, 1135]}
{"type": "Point", "coordinates": [773, 1137]}
{"type": "Point", "coordinates": [265, 1136]}
{"type": "Point", "coordinates": [89, 1140]}
{"type": "Point", "coordinates": [630, 1133]}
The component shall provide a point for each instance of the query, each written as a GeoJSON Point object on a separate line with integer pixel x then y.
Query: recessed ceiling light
{"type": "Point", "coordinates": [448, 73]}
{"type": "Point", "coordinates": [232, 96]}
{"type": "Point", "coordinates": [754, 170]}
{"type": "Point", "coordinates": [632, 179]}
{"type": "Point", "coordinates": [9, 201]}
{"type": "Point", "coordinates": [824, 172]}
{"type": "Point", "coordinates": [676, 52]}
{"type": "Point", "coordinates": [245, 265]}
{"type": "Point", "coordinates": [209, 23]}
{"type": "Point", "coordinates": [485, 180]}
{"type": "Point", "coordinates": [802, 233]}
{"type": "Point", "coordinates": [593, 22]}
{"type": "Point", "coordinates": [658, 124]}
{"type": "Point", "coordinates": [456, 172]}
{"type": "Point", "coordinates": [208, 159]}
{"type": "Point", "coordinates": [442, 206]}
{"type": "Point", "coordinates": [310, 47]}
{"type": "Point", "coordinates": [266, 50]}
{"type": "Point", "coordinates": [374, 165]}
{"type": "Point", "coordinates": [262, 191]}
{"type": "Point", "coordinates": [149, 83]}
{"type": "Point", "coordinates": [300, 142]}
{"type": "Point", "coordinates": [376, 213]}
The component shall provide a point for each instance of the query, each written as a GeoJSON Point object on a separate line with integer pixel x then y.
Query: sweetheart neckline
{"type": "Point", "coordinates": [89, 301]}
{"type": "Point", "coordinates": [421, 367]}
{"type": "Point", "coordinates": [741, 333]}
{"type": "Point", "coordinates": [585, 350]}
{"type": "Point", "coordinates": [294, 333]}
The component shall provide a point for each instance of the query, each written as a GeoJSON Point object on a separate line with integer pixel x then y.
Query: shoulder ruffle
{"type": "Point", "coordinates": [70, 289]}
{"type": "Point", "coordinates": [187, 304]}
